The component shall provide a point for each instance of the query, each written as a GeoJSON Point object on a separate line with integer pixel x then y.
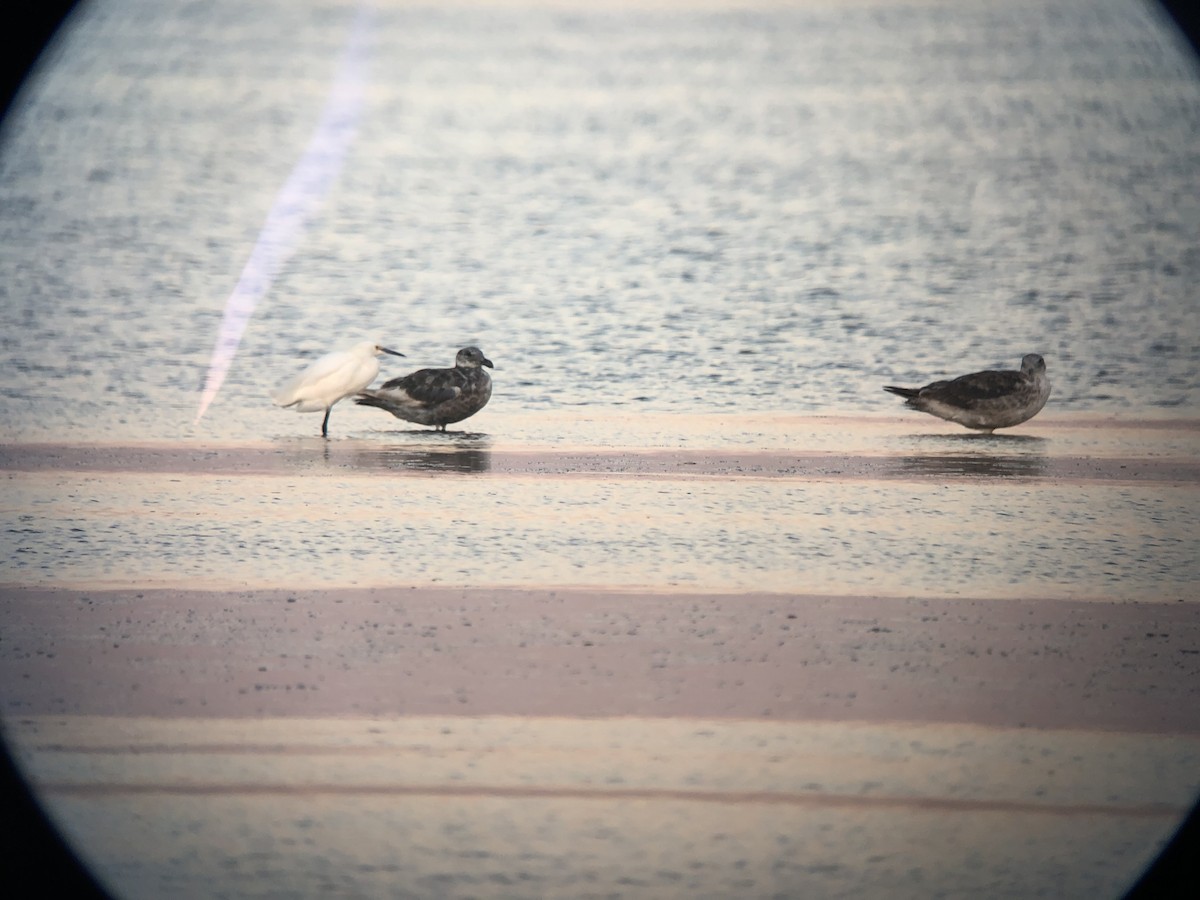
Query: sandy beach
{"type": "Point", "coordinates": [1120, 667]}
{"type": "Point", "coordinates": [802, 670]}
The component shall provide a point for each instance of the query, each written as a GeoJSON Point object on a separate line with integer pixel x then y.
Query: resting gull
{"type": "Point", "coordinates": [985, 401]}
{"type": "Point", "coordinates": [436, 397]}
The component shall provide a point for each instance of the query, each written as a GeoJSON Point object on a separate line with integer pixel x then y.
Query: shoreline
{"type": "Point", "coordinates": [347, 459]}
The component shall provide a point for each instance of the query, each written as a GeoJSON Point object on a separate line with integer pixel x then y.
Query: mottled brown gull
{"type": "Point", "coordinates": [987, 400]}
{"type": "Point", "coordinates": [437, 397]}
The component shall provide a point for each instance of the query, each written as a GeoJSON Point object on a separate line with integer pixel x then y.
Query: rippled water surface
{"type": "Point", "coordinates": [696, 239]}
{"type": "Point", "coordinates": [770, 208]}
{"type": "Point", "coordinates": [1110, 542]}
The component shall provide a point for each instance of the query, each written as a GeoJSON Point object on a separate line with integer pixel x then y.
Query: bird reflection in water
{"type": "Point", "coordinates": [465, 452]}
{"type": "Point", "coordinates": [1025, 462]}
{"type": "Point", "coordinates": [973, 466]}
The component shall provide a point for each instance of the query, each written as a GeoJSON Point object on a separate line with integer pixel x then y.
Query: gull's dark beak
{"type": "Point", "coordinates": [487, 362]}
{"type": "Point", "coordinates": [393, 352]}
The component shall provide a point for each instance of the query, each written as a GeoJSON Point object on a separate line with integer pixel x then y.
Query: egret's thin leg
{"type": "Point", "coordinates": [325, 423]}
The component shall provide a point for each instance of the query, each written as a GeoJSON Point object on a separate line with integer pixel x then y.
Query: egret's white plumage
{"type": "Point", "coordinates": [331, 378]}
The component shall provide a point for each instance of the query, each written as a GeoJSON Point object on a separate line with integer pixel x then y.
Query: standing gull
{"type": "Point", "coordinates": [985, 401]}
{"type": "Point", "coordinates": [330, 378]}
{"type": "Point", "coordinates": [436, 397]}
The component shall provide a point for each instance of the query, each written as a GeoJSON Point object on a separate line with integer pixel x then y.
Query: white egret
{"type": "Point", "coordinates": [330, 378]}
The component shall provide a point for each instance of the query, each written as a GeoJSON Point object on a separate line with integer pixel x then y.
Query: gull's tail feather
{"type": "Point", "coordinates": [378, 400]}
{"type": "Point", "coordinates": [369, 399]}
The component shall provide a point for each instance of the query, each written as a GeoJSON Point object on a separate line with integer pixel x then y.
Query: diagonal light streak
{"type": "Point", "coordinates": [296, 203]}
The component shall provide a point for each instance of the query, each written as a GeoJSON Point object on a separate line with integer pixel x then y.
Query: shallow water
{"type": "Point", "coordinates": [767, 208]}
{"type": "Point", "coordinates": [424, 806]}
{"type": "Point", "coordinates": [1117, 542]}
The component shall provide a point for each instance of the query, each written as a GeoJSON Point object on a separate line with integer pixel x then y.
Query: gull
{"type": "Point", "coordinates": [330, 378]}
{"type": "Point", "coordinates": [436, 397]}
{"type": "Point", "coordinates": [985, 401]}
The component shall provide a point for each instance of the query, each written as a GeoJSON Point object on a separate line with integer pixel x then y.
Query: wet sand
{"type": "Point", "coordinates": [1074, 510]}
{"type": "Point", "coordinates": [1127, 667]}
{"type": "Point", "coordinates": [268, 461]}
{"type": "Point", "coordinates": [418, 806]}
{"type": "Point", "coordinates": [924, 663]}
